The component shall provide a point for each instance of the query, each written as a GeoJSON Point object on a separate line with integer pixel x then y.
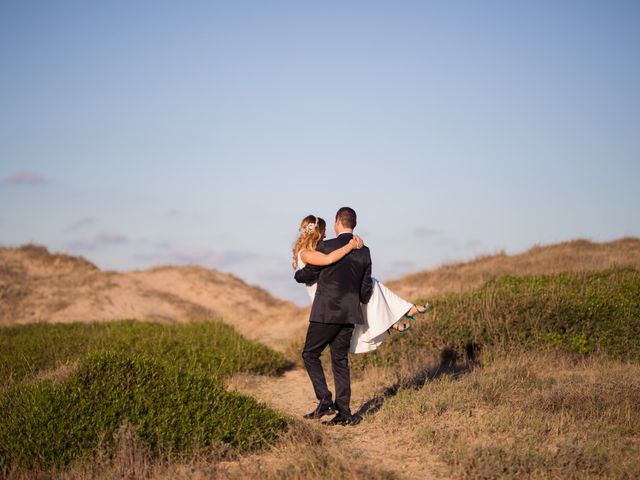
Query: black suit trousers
{"type": "Point", "coordinates": [338, 338]}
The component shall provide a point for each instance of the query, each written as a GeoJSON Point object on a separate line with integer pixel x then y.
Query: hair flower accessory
{"type": "Point", "coordinates": [309, 228]}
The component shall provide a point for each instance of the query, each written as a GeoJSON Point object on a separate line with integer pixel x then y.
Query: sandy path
{"type": "Point", "coordinates": [368, 441]}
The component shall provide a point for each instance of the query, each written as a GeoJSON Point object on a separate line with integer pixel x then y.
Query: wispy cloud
{"type": "Point", "coordinates": [464, 245]}
{"type": "Point", "coordinates": [398, 268]}
{"type": "Point", "coordinates": [194, 255]}
{"type": "Point", "coordinates": [25, 178]}
{"type": "Point", "coordinates": [100, 240]}
{"type": "Point", "coordinates": [83, 222]}
{"type": "Point", "coordinates": [173, 213]}
{"type": "Point", "coordinates": [234, 257]}
{"type": "Point", "coordinates": [473, 244]}
{"type": "Point", "coordinates": [423, 232]}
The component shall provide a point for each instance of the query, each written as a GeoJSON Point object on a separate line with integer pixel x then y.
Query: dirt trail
{"type": "Point", "coordinates": [369, 443]}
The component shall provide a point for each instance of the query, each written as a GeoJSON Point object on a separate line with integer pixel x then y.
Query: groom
{"type": "Point", "coordinates": [342, 286]}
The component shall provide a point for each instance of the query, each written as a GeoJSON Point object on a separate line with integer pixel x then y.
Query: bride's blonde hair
{"type": "Point", "coordinates": [311, 231]}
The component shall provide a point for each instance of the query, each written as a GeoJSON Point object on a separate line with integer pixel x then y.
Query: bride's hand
{"type": "Point", "coordinates": [356, 242]}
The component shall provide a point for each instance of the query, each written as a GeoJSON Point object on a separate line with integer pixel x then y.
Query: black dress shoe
{"type": "Point", "coordinates": [320, 411]}
{"type": "Point", "coordinates": [340, 419]}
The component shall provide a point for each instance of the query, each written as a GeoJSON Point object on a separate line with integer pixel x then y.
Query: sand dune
{"type": "Point", "coordinates": [572, 256]}
{"type": "Point", "coordinates": [36, 285]}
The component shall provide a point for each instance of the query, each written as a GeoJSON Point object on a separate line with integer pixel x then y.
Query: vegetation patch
{"type": "Point", "coordinates": [166, 381]}
{"type": "Point", "coordinates": [212, 348]}
{"type": "Point", "coordinates": [558, 393]}
{"type": "Point", "coordinates": [583, 313]}
{"type": "Point", "coordinates": [537, 416]}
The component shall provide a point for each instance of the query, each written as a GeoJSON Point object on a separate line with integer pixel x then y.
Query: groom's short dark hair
{"type": "Point", "coordinates": [347, 217]}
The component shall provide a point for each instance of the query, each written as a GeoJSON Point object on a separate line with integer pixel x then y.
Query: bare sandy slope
{"type": "Point", "coordinates": [36, 285]}
{"type": "Point", "coordinates": [575, 255]}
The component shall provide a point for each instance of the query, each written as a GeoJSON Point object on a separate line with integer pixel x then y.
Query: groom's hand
{"type": "Point", "coordinates": [366, 287]}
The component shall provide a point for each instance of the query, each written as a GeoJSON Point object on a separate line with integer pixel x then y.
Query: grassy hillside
{"type": "Point", "coordinates": [212, 348]}
{"type": "Point", "coordinates": [528, 416]}
{"type": "Point", "coordinates": [67, 390]}
{"type": "Point", "coordinates": [538, 378]}
{"type": "Point", "coordinates": [572, 256]}
{"type": "Point", "coordinates": [526, 367]}
{"type": "Point", "coordinates": [585, 312]}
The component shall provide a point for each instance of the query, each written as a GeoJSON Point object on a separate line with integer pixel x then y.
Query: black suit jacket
{"type": "Point", "coordinates": [342, 286]}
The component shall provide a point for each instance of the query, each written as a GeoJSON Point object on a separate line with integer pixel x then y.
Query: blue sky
{"type": "Point", "coordinates": [145, 133]}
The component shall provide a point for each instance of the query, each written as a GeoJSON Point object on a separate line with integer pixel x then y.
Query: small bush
{"type": "Point", "coordinates": [165, 381]}
{"type": "Point", "coordinates": [576, 312]}
{"type": "Point", "coordinates": [173, 411]}
{"type": "Point", "coordinates": [209, 347]}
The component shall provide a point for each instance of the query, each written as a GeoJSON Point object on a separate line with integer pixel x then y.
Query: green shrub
{"type": "Point", "coordinates": [165, 380]}
{"type": "Point", "coordinates": [210, 347]}
{"type": "Point", "coordinates": [172, 410]}
{"type": "Point", "coordinates": [589, 312]}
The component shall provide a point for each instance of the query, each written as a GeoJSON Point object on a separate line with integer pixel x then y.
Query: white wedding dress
{"type": "Point", "coordinates": [383, 310]}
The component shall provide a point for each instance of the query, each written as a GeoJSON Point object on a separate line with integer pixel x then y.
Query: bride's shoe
{"type": "Point", "coordinates": [404, 326]}
{"type": "Point", "coordinates": [425, 308]}
{"type": "Point", "coordinates": [401, 326]}
{"type": "Point", "coordinates": [421, 309]}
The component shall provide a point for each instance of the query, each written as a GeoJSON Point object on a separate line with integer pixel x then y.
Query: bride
{"type": "Point", "coordinates": [385, 309]}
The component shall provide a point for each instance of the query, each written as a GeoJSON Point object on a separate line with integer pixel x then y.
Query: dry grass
{"type": "Point", "coordinates": [527, 415]}
{"type": "Point", "coordinates": [572, 256]}
{"type": "Point", "coordinates": [304, 453]}
{"type": "Point", "coordinates": [516, 409]}
{"type": "Point", "coordinates": [58, 374]}
{"type": "Point", "coordinates": [522, 414]}
{"type": "Point", "coordinates": [131, 459]}
{"type": "Point", "coordinates": [308, 453]}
